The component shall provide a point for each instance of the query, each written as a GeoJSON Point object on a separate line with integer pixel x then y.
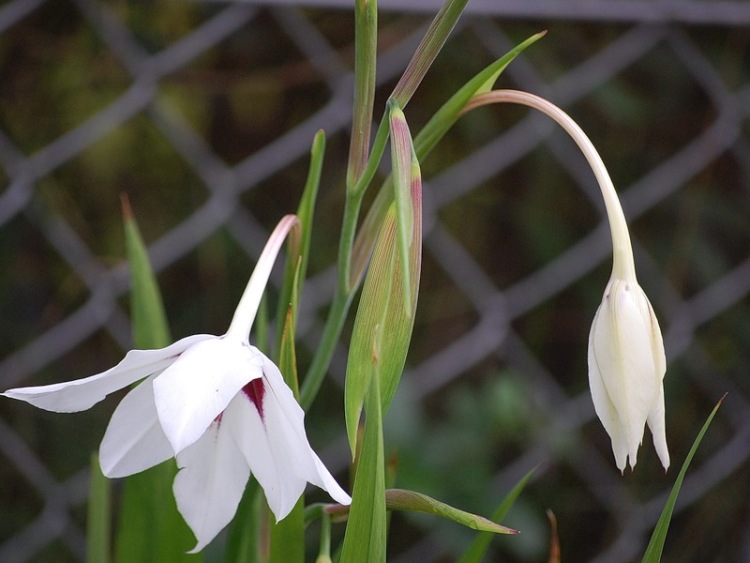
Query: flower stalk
{"type": "Point", "coordinates": [626, 355]}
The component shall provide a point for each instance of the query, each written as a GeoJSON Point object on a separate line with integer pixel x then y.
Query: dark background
{"type": "Point", "coordinates": [203, 113]}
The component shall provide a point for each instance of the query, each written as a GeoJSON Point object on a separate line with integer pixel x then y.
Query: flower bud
{"type": "Point", "coordinates": [626, 371]}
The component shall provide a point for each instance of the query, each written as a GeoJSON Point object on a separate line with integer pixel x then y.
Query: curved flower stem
{"type": "Point", "coordinates": [244, 316]}
{"type": "Point", "coordinates": [623, 266]}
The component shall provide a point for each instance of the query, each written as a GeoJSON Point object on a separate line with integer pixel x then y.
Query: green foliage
{"type": "Point", "coordinates": [408, 204]}
{"type": "Point", "coordinates": [659, 537]}
{"type": "Point", "coordinates": [150, 328]}
{"type": "Point", "coordinates": [288, 536]}
{"type": "Point", "coordinates": [245, 541]}
{"type": "Point", "coordinates": [98, 516]}
{"type": "Point", "coordinates": [149, 527]}
{"type": "Point", "coordinates": [365, 65]}
{"type": "Point", "coordinates": [296, 264]}
{"type": "Point", "coordinates": [481, 543]}
{"type": "Point", "coordinates": [381, 322]}
{"type": "Point", "coordinates": [399, 499]}
{"type": "Point", "coordinates": [426, 140]}
{"type": "Point", "coordinates": [433, 41]}
{"type": "Point", "coordinates": [365, 538]}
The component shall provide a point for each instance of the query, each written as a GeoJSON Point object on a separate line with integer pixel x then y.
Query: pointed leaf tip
{"type": "Point", "coordinates": [127, 210]}
{"type": "Point", "coordinates": [655, 546]}
{"type": "Point", "coordinates": [401, 499]}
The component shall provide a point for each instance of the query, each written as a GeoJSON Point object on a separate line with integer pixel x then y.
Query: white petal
{"type": "Point", "coordinates": [286, 419]}
{"type": "Point", "coordinates": [658, 431]}
{"type": "Point", "coordinates": [82, 394]}
{"type": "Point", "coordinates": [606, 411]}
{"type": "Point", "coordinates": [637, 355]}
{"type": "Point", "coordinates": [328, 483]}
{"type": "Point", "coordinates": [622, 350]}
{"type": "Point", "coordinates": [275, 473]}
{"type": "Point", "coordinates": [657, 343]}
{"type": "Point", "coordinates": [276, 447]}
{"type": "Point", "coordinates": [134, 440]}
{"type": "Point", "coordinates": [196, 388]}
{"type": "Point", "coordinates": [210, 483]}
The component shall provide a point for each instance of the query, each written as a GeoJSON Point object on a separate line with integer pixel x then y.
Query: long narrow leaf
{"type": "Point", "coordinates": [481, 543]}
{"type": "Point", "coordinates": [658, 538]}
{"type": "Point", "coordinates": [401, 157]}
{"type": "Point", "coordinates": [382, 314]}
{"type": "Point", "coordinates": [365, 537]}
{"type": "Point", "coordinates": [98, 516]}
{"type": "Point", "coordinates": [399, 499]}
{"type": "Point", "coordinates": [150, 527]}
{"type": "Point", "coordinates": [296, 263]}
{"type": "Point", "coordinates": [437, 34]}
{"type": "Point", "coordinates": [424, 142]}
{"type": "Point", "coordinates": [365, 57]}
{"type": "Point", "coordinates": [245, 542]}
{"type": "Point", "coordinates": [288, 536]}
{"type": "Point", "coordinates": [446, 116]}
{"type": "Point", "coordinates": [150, 327]}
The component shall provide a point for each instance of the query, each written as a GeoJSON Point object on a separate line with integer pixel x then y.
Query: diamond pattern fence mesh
{"type": "Point", "coordinates": [203, 114]}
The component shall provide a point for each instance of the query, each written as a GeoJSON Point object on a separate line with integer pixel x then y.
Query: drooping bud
{"type": "Point", "coordinates": [626, 351]}
{"type": "Point", "coordinates": [626, 370]}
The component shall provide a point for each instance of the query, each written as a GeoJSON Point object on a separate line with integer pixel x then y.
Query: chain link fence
{"type": "Point", "coordinates": [203, 113]}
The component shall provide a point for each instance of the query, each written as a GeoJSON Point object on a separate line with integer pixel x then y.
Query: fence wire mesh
{"type": "Point", "coordinates": [203, 113]}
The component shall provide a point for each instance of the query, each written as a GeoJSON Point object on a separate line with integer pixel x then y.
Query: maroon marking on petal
{"type": "Point", "coordinates": [255, 392]}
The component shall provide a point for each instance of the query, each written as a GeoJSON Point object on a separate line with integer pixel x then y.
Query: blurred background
{"type": "Point", "coordinates": [203, 114]}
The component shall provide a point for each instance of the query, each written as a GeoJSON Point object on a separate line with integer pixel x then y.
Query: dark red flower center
{"type": "Point", "coordinates": [255, 391]}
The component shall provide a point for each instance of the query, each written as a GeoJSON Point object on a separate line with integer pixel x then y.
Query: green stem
{"type": "Point", "coordinates": [322, 358]}
{"type": "Point", "coordinates": [376, 154]}
{"type": "Point", "coordinates": [346, 283]}
{"type": "Point", "coordinates": [623, 264]}
{"type": "Point", "coordinates": [324, 553]}
{"type": "Point", "coordinates": [365, 62]}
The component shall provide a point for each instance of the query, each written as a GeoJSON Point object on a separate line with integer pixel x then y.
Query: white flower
{"type": "Point", "coordinates": [626, 371]}
{"type": "Point", "coordinates": [216, 404]}
{"type": "Point", "coordinates": [626, 352]}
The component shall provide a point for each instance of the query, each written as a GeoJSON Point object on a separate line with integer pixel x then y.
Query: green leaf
{"type": "Point", "coordinates": [150, 527]}
{"type": "Point", "coordinates": [403, 175]}
{"type": "Point", "coordinates": [365, 62]}
{"type": "Point", "coordinates": [150, 328]}
{"type": "Point", "coordinates": [437, 34]}
{"type": "Point", "coordinates": [287, 360]}
{"type": "Point", "coordinates": [365, 537]}
{"type": "Point", "coordinates": [299, 250]}
{"type": "Point", "coordinates": [288, 536]}
{"type": "Point", "coordinates": [424, 142]}
{"type": "Point", "coordinates": [389, 297]}
{"type": "Point", "coordinates": [246, 538]}
{"type": "Point", "coordinates": [98, 516]}
{"type": "Point", "coordinates": [261, 325]}
{"type": "Point", "coordinates": [381, 316]}
{"type": "Point", "coordinates": [448, 114]}
{"type": "Point", "coordinates": [481, 543]}
{"type": "Point", "coordinates": [399, 499]}
{"type": "Point", "coordinates": [659, 536]}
